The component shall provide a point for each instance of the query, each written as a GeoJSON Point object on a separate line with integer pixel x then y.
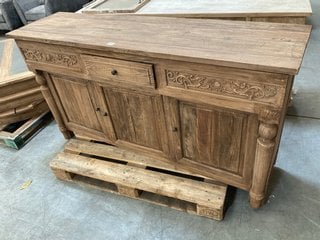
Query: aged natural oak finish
{"type": "Point", "coordinates": [282, 11]}
{"type": "Point", "coordinates": [207, 96]}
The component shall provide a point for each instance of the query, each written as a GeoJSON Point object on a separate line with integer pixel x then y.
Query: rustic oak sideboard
{"type": "Point", "coordinates": [282, 11]}
{"type": "Point", "coordinates": [208, 96]}
{"type": "Point", "coordinates": [20, 95]}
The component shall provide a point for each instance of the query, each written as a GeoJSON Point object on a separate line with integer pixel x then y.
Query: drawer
{"type": "Point", "coordinates": [119, 71]}
{"type": "Point", "coordinates": [231, 83]}
{"type": "Point", "coordinates": [51, 58]}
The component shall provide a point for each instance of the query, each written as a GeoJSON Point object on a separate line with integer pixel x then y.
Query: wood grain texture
{"type": "Point", "coordinates": [206, 97]}
{"type": "Point", "coordinates": [257, 46]}
{"type": "Point", "coordinates": [240, 83]}
{"type": "Point", "coordinates": [6, 60]}
{"type": "Point", "coordinates": [263, 165]}
{"type": "Point", "coordinates": [20, 95]}
{"type": "Point", "coordinates": [226, 8]}
{"type": "Point", "coordinates": [137, 118]}
{"type": "Point", "coordinates": [129, 180]}
{"type": "Point", "coordinates": [76, 101]}
{"type": "Point", "coordinates": [42, 80]}
{"type": "Point", "coordinates": [119, 71]}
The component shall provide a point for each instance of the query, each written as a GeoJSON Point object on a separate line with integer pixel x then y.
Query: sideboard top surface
{"type": "Point", "coordinates": [229, 7]}
{"type": "Point", "coordinates": [251, 45]}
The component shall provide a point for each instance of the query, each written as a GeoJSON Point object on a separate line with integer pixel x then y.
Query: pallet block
{"type": "Point", "coordinates": [16, 135]}
{"type": "Point", "coordinates": [125, 173]}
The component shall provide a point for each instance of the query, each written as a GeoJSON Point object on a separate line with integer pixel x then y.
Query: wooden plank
{"type": "Point", "coordinates": [257, 46]}
{"type": "Point", "coordinates": [181, 188]}
{"type": "Point", "coordinates": [19, 77]}
{"type": "Point", "coordinates": [20, 95]}
{"type": "Point", "coordinates": [227, 8]}
{"type": "Point", "coordinates": [204, 194]}
{"type": "Point", "coordinates": [33, 106]}
{"type": "Point", "coordinates": [229, 134]}
{"type": "Point", "coordinates": [6, 61]}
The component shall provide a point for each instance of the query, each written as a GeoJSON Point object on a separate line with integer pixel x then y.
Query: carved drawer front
{"type": "Point", "coordinates": [119, 71]}
{"type": "Point", "coordinates": [251, 86]}
{"type": "Point", "coordinates": [51, 58]}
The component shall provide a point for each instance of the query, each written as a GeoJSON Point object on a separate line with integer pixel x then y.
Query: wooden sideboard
{"type": "Point", "coordinates": [282, 11]}
{"type": "Point", "coordinates": [20, 95]}
{"type": "Point", "coordinates": [208, 96]}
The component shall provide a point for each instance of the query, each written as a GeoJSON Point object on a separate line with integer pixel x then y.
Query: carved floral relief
{"type": "Point", "coordinates": [36, 55]}
{"type": "Point", "coordinates": [251, 91]}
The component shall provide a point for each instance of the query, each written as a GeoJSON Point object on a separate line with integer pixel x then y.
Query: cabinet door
{"type": "Point", "coordinates": [77, 101]}
{"type": "Point", "coordinates": [215, 142]}
{"type": "Point", "coordinates": [138, 120]}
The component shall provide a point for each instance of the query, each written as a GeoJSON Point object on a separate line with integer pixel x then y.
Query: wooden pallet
{"type": "Point", "coordinates": [123, 172]}
{"type": "Point", "coordinates": [16, 135]}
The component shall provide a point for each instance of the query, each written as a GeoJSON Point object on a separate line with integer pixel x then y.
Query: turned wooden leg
{"type": "Point", "coordinates": [52, 105]}
{"type": "Point", "coordinates": [263, 163]}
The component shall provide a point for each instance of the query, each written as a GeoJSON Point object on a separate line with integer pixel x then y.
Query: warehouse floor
{"type": "Point", "coordinates": [51, 209]}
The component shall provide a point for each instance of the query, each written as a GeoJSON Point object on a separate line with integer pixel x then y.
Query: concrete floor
{"type": "Point", "coordinates": [51, 209]}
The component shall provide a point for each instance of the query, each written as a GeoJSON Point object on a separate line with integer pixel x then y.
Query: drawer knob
{"type": "Point", "coordinates": [105, 114]}
{"type": "Point", "coordinates": [114, 72]}
{"type": "Point", "coordinates": [97, 109]}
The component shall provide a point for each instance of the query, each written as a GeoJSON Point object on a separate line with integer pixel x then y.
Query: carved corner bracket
{"type": "Point", "coordinates": [269, 115]}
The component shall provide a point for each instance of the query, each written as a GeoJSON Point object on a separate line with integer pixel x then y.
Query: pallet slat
{"type": "Point", "coordinates": [204, 193]}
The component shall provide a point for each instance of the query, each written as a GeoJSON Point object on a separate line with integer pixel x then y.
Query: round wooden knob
{"type": "Point", "coordinates": [114, 72]}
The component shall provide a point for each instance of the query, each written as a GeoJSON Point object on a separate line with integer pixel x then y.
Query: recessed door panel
{"type": "Point", "coordinates": [214, 142]}
{"type": "Point", "coordinates": [138, 118]}
{"type": "Point", "coordinates": [75, 99]}
{"type": "Point", "coordinates": [213, 137]}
